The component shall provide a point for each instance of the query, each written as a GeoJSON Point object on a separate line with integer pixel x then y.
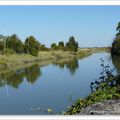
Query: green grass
{"type": "Point", "coordinates": [83, 53]}
{"type": "Point", "coordinates": [15, 60]}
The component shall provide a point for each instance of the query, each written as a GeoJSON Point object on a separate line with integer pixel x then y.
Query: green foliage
{"type": "Point", "coordinates": [43, 48]}
{"type": "Point", "coordinates": [8, 51]}
{"type": "Point", "coordinates": [54, 46]}
{"type": "Point", "coordinates": [72, 45]}
{"type": "Point", "coordinates": [10, 44]}
{"type": "Point", "coordinates": [61, 45]}
{"type": "Point", "coordinates": [118, 26]}
{"type": "Point", "coordinates": [14, 43]}
{"type": "Point", "coordinates": [1, 46]}
{"type": "Point", "coordinates": [115, 50]}
{"type": "Point", "coordinates": [34, 52]}
{"type": "Point", "coordinates": [116, 47]}
{"type": "Point", "coordinates": [105, 88]}
{"type": "Point", "coordinates": [31, 46]}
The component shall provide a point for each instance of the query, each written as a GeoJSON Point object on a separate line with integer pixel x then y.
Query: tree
{"type": "Point", "coordinates": [61, 45]}
{"type": "Point", "coordinates": [72, 45]}
{"type": "Point", "coordinates": [118, 27]}
{"type": "Point", "coordinates": [54, 46]}
{"type": "Point", "coordinates": [31, 46]}
{"type": "Point", "coordinates": [115, 50]}
{"type": "Point", "coordinates": [1, 46]}
{"type": "Point", "coordinates": [43, 48]}
{"type": "Point", "coordinates": [14, 43]}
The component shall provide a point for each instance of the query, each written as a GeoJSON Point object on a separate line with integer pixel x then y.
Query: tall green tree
{"type": "Point", "coordinates": [115, 50]}
{"type": "Point", "coordinates": [14, 43]}
{"type": "Point", "coordinates": [72, 45]}
{"type": "Point", "coordinates": [1, 46]}
{"type": "Point", "coordinates": [31, 46]}
{"type": "Point", "coordinates": [118, 26]}
{"type": "Point", "coordinates": [118, 30]}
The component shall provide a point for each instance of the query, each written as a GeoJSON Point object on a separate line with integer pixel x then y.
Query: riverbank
{"type": "Point", "coordinates": [11, 61]}
{"type": "Point", "coordinates": [15, 61]}
{"type": "Point", "coordinates": [104, 89]}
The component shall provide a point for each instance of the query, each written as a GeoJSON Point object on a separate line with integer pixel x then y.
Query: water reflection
{"type": "Point", "coordinates": [32, 73]}
{"type": "Point", "coordinates": [116, 62]}
{"type": "Point", "coordinates": [14, 78]}
{"type": "Point", "coordinates": [71, 65]}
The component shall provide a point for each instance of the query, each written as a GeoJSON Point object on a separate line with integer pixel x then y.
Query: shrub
{"type": "Point", "coordinates": [9, 51]}
{"type": "Point", "coordinates": [33, 52]}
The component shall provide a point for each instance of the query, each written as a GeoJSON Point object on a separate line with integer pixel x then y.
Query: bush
{"type": "Point", "coordinates": [9, 51]}
{"type": "Point", "coordinates": [33, 52]}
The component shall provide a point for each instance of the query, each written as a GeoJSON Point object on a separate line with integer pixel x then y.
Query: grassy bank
{"type": "Point", "coordinates": [96, 49]}
{"type": "Point", "coordinates": [11, 61]}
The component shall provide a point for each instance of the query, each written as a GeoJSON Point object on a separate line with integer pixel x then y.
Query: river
{"type": "Point", "coordinates": [33, 90]}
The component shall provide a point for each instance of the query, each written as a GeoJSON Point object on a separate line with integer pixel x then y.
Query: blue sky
{"type": "Point", "coordinates": [90, 25]}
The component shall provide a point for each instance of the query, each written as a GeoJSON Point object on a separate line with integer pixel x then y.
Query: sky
{"type": "Point", "coordinates": [92, 26]}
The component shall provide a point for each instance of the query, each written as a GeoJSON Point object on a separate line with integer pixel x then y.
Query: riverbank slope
{"type": "Point", "coordinates": [10, 61]}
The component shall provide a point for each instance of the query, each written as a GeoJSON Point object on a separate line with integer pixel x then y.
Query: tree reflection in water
{"type": "Point", "coordinates": [14, 78]}
{"type": "Point", "coordinates": [71, 65]}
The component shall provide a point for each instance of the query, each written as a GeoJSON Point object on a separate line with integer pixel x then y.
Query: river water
{"type": "Point", "coordinates": [33, 90]}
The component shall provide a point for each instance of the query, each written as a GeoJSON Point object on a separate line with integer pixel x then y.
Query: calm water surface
{"type": "Point", "coordinates": [34, 89]}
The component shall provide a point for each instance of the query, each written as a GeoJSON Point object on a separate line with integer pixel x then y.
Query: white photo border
{"type": "Point", "coordinates": [59, 117]}
{"type": "Point", "coordinates": [58, 2]}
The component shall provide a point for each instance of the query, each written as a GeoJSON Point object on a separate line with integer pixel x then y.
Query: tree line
{"type": "Point", "coordinates": [71, 45]}
{"type": "Point", "coordinates": [13, 44]}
